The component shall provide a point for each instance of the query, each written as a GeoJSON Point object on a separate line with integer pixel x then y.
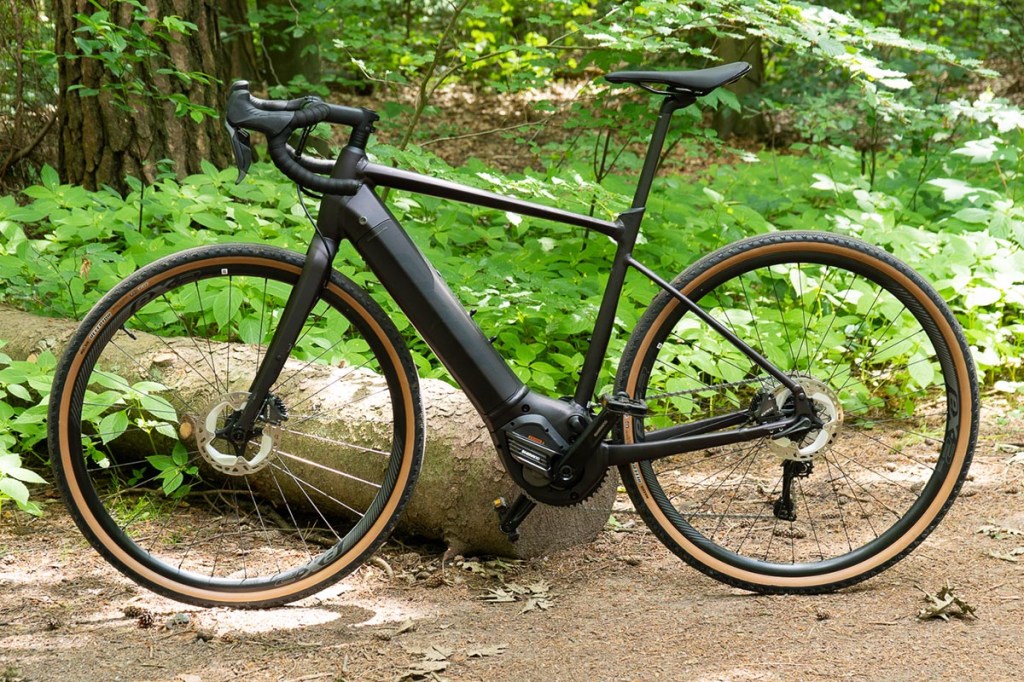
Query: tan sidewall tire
{"type": "Point", "coordinates": [640, 487]}
{"type": "Point", "coordinates": [107, 310]}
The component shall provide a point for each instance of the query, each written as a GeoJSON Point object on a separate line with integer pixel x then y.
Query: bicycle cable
{"type": "Point", "coordinates": [300, 190]}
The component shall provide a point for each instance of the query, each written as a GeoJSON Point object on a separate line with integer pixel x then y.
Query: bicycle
{"type": "Point", "coordinates": [761, 419]}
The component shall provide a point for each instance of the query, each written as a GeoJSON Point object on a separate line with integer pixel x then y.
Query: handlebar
{"type": "Point", "coordinates": [278, 119]}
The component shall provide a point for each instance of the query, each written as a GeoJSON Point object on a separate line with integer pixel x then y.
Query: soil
{"type": "Point", "coordinates": [620, 608]}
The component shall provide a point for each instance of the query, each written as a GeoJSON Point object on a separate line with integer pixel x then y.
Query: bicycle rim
{"type": "Point", "coordinates": [887, 371]}
{"type": "Point", "coordinates": [159, 366]}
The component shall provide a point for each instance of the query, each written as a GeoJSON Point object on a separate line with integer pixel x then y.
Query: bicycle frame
{"type": "Point", "coordinates": [487, 380]}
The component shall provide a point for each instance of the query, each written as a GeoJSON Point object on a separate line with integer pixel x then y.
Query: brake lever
{"type": "Point", "coordinates": [243, 150]}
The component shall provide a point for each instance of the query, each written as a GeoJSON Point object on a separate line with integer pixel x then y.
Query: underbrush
{"type": "Point", "coordinates": [953, 215]}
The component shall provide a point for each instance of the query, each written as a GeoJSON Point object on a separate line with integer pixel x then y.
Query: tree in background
{"type": "Point", "coordinates": [137, 86]}
{"type": "Point", "coordinates": [26, 87]}
{"type": "Point", "coordinates": [140, 81]}
{"type": "Point", "coordinates": [289, 43]}
{"type": "Point", "coordinates": [238, 54]}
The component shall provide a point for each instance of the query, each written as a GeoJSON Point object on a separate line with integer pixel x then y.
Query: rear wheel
{"type": "Point", "coordinates": [163, 362]}
{"type": "Point", "coordinates": [890, 378]}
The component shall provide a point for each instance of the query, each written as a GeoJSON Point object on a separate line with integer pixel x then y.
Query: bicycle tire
{"type": "Point", "coordinates": [874, 489]}
{"type": "Point", "coordinates": [154, 370]}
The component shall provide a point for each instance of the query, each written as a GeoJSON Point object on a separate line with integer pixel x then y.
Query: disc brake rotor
{"type": "Point", "coordinates": [828, 409]}
{"type": "Point", "coordinates": [257, 452]}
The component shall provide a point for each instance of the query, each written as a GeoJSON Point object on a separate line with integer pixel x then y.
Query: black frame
{"type": "Point", "coordinates": [487, 380]}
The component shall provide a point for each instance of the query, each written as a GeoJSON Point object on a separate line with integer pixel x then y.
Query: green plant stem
{"type": "Point", "coordinates": [425, 89]}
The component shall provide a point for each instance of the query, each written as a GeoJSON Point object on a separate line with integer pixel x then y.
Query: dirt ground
{"type": "Point", "coordinates": [620, 608]}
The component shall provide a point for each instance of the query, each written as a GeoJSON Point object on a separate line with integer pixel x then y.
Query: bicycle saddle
{"type": "Point", "coordinates": [699, 82]}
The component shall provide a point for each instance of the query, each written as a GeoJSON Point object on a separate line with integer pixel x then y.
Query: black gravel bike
{"type": "Point", "coordinates": [242, 425]}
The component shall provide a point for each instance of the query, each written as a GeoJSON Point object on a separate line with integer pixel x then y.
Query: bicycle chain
{"type": "Point", "coordinates": [676, 394]}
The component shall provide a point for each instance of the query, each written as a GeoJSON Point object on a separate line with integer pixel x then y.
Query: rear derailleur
{"type": "Point", "coordinates": [785, 508]}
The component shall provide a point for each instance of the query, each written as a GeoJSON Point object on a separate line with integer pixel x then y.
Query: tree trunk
{"type": "Point", "coordinates": [112, 126]}
{"type": "Point", "coordinates": [727, 121]}
{"type": "Point", "coordinates": [238, 50]}
{"type": "Point", "coordinates": [285, 54]}
{"type": "Point", "coordinates": [461, 475]}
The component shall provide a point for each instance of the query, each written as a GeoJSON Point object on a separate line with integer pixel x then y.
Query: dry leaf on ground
{"type": "Point", "coordinates": [944, 604]}
{"type": "Point", "coordinates": [484, 651]}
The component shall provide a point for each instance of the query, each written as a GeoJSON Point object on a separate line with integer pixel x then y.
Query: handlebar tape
{"type": "Point", "coordinates": [277, 119]}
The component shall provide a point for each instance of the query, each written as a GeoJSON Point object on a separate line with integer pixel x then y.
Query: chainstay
{"type": "Point", "coordinates": [674, 394]}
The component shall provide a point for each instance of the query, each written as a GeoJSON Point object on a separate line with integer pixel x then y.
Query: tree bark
{"type": "Point", "coordinates": [727, 121]}
{"type": "Point", "coordinates": [461, 475]}
{"type": "Point", "coordinates": [285, 55]}
{"type": "Point", "coordinates": [115, 133]}
{"type": "Point", "coordinates": [238, 49]}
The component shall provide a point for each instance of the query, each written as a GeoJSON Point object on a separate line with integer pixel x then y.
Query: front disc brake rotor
{"type": "Point", "coordinates": [257, 451]}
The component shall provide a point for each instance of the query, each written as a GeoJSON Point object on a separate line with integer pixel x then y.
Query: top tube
{"type": "Point", "coordinates": [444, 189]}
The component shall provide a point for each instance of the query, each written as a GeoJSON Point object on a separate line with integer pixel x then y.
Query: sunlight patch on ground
{"type": "Point", "coordinates": [284, 618]}
{"type": "Point", "coordinates": [387, 611]}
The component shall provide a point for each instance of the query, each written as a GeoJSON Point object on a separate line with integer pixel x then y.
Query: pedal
{"type": "Point", "coordinates": [510, 517]}
{"type": "Point", "coordinates": [620, 403]}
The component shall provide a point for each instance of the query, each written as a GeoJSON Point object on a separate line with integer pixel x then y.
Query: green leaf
{"type": "Point", "coordinates": [172, 482]}
{"type": "Point", "coordinates": [14, 489]}
{"type": "Point", "coordinates": [19, 391]}
{"type": "Point", "coordinates": [212, 221]}
{"type": "Point", "coordinates": [49, 177]}
{"type": "Point", "coordinates": [148, 386]}
{"type": "Point", "coordinates": [112, 426]}
{"type": "Point", "coordinates": [161, 462]}
{"type": "Point", "coordinates": [8, 462]}
{"type": "Point", "coordinates": [981, 297]}
{"type": "Point", "coordinates": [159, 408]}
{"type": "Point", "coordinates": [180, 454]}
{"type": "Point", "coordinates": [922, 371]}
{"type": "Point", "coordinates": [224, 305]}
{"type": "Point", "coordinates": [25, 475]}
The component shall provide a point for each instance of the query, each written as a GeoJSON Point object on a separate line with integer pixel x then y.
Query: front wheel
{"type": "Point", "coordinates": [891, 382]}
{"type": "Point", "coordinates": [156, 372]}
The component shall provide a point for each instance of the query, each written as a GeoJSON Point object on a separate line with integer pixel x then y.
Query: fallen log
{"type": "Point", "coordinates": [461, 475]}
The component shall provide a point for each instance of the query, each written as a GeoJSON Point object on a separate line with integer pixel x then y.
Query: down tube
{"type": "Point", "coordinates": [429, 304]}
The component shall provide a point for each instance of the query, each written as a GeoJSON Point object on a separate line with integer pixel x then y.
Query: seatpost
{"type": "Point", "coordinates": [672, 102]}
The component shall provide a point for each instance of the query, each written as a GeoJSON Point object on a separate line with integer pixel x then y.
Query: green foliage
{"type": "Point", "coordinates": [24, 392]}
{"type": "Point", "coordinates": [956, 220]}
{"type": "Point", "coordinates": [506, 44]}
{"type": "Point", "coordinates": [24, 399]}
{"type": "Point", "coordinates": [113, 407]}
{"type": "Point", "coordinates": [131, 52]}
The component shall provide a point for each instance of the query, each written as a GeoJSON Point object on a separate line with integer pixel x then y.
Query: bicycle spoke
{"type": "Point", "coordinates": [860, 344]}
{"type": "Point", "coordinates": [168, 478]}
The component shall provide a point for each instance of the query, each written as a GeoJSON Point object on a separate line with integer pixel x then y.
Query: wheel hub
{"type": "Point", "coordinates": [250, 456]}
{"type": "Point", "coordinates": [827, 408]}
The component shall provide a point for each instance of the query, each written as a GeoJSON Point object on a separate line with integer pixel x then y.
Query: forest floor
{"type": "Point", "coordinates": [620, 608]}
